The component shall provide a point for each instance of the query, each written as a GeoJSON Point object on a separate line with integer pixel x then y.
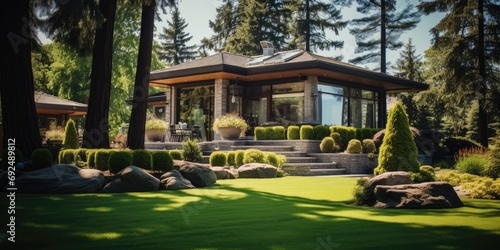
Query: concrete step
{"type": "Point", "coordinates": [301, 159]}
{"type": "Point", "coordinates": [313, 169]}
{"type": "Point", "coordinates": [267, 148]}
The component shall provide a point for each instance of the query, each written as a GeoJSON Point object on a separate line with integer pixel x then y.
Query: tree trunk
{"type": "Point", "coordinates": [96, 134]}
{"type": "Point", "coordinates": [20, 120]}
{"type": "Point", "coordinates": [140, 101]}
{"type": "Point", "coordinates": [482, 114]}
{"type": "Point", "coordinates": [383, 41]}
{"type": "Point", "coordinates": [308, 27]}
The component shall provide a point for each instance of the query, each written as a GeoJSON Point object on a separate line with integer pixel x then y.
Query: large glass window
{"type": "Point", "coordinates": [347, 106]}
{"type": "Point", "coordinates": [195, 107]}
{"type": "Point", "coordinates": [288, 103]}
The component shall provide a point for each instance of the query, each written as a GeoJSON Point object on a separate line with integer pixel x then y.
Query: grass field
{"type": "Point", "coordinates": [284, 213]}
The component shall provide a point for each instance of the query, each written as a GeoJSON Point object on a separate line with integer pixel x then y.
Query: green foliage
{"type": "Point", "coordinates": [307, 132]}
{"type": "Point", "coordinates": [156, 124]}
{"type": "Point", "coordinates": [354, 147]}
{"type": "Point", "coordinates": [218, 159]}
{"type": "Point", "coordinates": [320, 132]}
{"type": "Point", "coordinates": [363, 195]}
{"type": "Point", "coordinates": [176, 154]}
{"type": "Point", "coordinates": [478, 187]}
{"type": "Point", "coordinates": [81, 154]}
{"type": "Point", "coordinates": [398, 151]}
{"type": "Point", "coordinates": [425, 174]}
{"type": "Point", "coordinates": [369, 146]}
{"type": "Point", "coordinates": [269, 133]}
{"type": "Point", "coordinates": [366, 133]}
{"type": "Point", "coordinates": [101, 159]}
{"type": "Point", "coordinates": [337, 139]}
{"type": "Point", "coordinates": [118, 160]}
{"type": "Point", "coordinates": [192, 151]}
{"type": "Point", "coordinates": [162, 161]}
{"type": "Point", "coordinates": [231, 158]}
{"type": "Point", "coordinates": [271, 158]}
{"type": "Point", "coordinates": [253, 155]}
{"type": "Point", "coordinates": [472, 164]}
{"type": "Point", "coordinates": [240, 155]}
{"type": "Point", "coordinates": [260, 133]}
{"type": "Point", "coordinates": [328, 145]}
{"type": "Point", "coordinates": [346, 133]}
{"type": "Point", "coordinates": [278, 132]}
{"type": "Point", "coordinates": [142, 158]}
{"type": "Point", "coordinates": [456, 144]}
{"type": "Point", "coordinates": [174, 41]}
{"type": "Point", "coordinates": [293, 133]}
{"type": "Point", "coordinates": [67, 156]}
{"type": "Point", "coordinates": [493, 168]}
{"type": "Point", "coordinates": [91, 158]}
{"type": "Point", "coordinates": [70, 135]}
{"type": "Point", "coordinates": [41, 158]}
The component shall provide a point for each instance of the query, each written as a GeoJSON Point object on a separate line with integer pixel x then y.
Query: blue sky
{"type": "Point", "coordinates": [198, 12]}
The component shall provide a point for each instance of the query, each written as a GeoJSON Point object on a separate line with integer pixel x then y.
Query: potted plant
{"type": "Point", "coordinates": [230, 126]}
{"type": "Point", "coordinates": [155, 129]}
{"type": "Point", "coordinates": [54, 135]}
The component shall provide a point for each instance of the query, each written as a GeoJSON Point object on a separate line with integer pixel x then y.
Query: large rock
{"type": "Point", "coordinates": [422, 195]}
{"type": "Point", "coordinates": [173, 180]}
{"type": "Point", "coordinates": [257, 170]}
{"type": "Point", "coordinates": [200, 175]}
{"type": "Point", "coordinates": [389, 178]}
{"type": "Point", "coordinates": [132, 179]}
{"type": "Point", "coordinates": [223, 173]}
{"type": "Point", "coordinates": [60, 179]}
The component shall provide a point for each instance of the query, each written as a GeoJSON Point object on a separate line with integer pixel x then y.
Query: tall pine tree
{"type": "Point", "coordinates": [174, 40]}
{"type": "Point", "coordinates": [380, 30]}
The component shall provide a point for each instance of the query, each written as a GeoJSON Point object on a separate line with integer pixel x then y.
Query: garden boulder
{"type": "Point", "coordinates": [60, 179]}
{"type": "Point", "coordinates": [257, 170]}
{"type": "Point", "coordinates": [389, 178]}
{"type": "Point", "coordinates": [132, 179]}
{"type": "Point", "coordinates": [223, 173]}
{"type": "Point", "coordinates": [421, 195]}
{"type": "Point", "coordinates": [200, 175]}
{"type": "Point", "coordinates": [173, 180]}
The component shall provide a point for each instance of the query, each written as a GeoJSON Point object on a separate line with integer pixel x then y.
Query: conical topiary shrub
{"type": "Point", "coordinates": [70, 140]}
{"type": "Point", "coordinates": [398, 151]}
{"type": "Point", "coordinates": [493, 168]}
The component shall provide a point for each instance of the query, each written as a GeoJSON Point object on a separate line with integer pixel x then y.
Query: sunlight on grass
{"type": "Point", "coordinates": [46, 226]}
{"type": "Point", "coordinates": [99, 209]}
{"type": "Point", "coordinates": [99, 236]}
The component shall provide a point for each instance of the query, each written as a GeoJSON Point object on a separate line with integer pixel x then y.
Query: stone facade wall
{"type": "Point", "coordinates": [220, 102]}
{"type": "Point", "coordinates": [311, 99]}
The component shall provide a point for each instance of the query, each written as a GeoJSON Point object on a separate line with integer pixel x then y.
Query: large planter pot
{"type": "Point", "coordinates": [229, 133]}
{"type": "Point", "coordinates": [155, 135]}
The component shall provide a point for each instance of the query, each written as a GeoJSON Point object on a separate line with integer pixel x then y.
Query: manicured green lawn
{"type": "Point", "coordinates": [284, 213]}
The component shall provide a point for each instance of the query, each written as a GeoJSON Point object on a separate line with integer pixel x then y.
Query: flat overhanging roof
{"type": "Point", "coordinates": [281, 65]}
{"type": "Point", "coordinates": [53, 105]}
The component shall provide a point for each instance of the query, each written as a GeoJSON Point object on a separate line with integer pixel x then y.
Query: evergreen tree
{"type": "Point", "coordinates": [493, 168]}
{"type": "Point", "coordinates": [70, 140]}
{"type": "Point", "coordinates": [467, 44]}
{"type": "Point", "coordinates": [398, 151]}
{"type": "Point", "coordinates": [174, 40]}
{"type": "Point", "coordinates": [310, 20]}
{"type": "Point", "coordinates": [383, 19]}
{"type": "Point", "coordinates": [223, 26]}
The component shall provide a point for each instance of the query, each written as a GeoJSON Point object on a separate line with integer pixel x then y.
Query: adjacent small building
{"type": "Point", "coordinates": [288, 87]}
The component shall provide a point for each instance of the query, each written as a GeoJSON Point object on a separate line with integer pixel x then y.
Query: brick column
{"type": "Point", "coordinates": [169, 106]}
{"type": "Point", "coordinates": [220, 102]}
{"type": "Point", "coordinates": [311, 99]}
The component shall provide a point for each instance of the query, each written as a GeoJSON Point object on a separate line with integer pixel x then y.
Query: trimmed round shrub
{"type": "Point", "coordinates": [269, 133]}
{"type": "Point", "coordinates": [142, 158]}
{"type": "Point", "coordinates": [293, 133]}
{"type": "Point", "coordinates": [472, 164]}
{"type": "Point", "coordinates": [354, 147]}
{"type": "Point", "coordinates": [118, 160]}
{"type": "Point", "coordinates": [231, 158]}
{"type": "Point", "coordinates": [41, 158]}
{"type": "Point", "coordinates": [101, 159]}
{"type": "Point", "coordinates": [281, 160]}
{"type": "Point", "coordinates": [320, 132]}
{"type": "Point", "coordinates": [252, 156]}
{"type": "Point", "coordinates": [218, 159]}
{"type": "Point", "coordinates": [259, 133]}
{"type": "Point", "coordinates": [191, 151]}
{"type": "Point", "coordinates": [398, 151]}
{"type": "Point", "coordinates": [240, 154]}
{"type": "Point", "coordinates": [91, 158]}
{"type": "Point", "coordinates": [176, 154]}
{"type": "Point", "coordinates": [346, 133]}
{"type": "Point", "coordinates": [337, 139]}
{"type": "Point", "coordinates": [369, 146]}
{"type": "Point", "coordinates": [278, 133]}
{"type": "Point", "coordinates": [162, 161]}
{"type": "Point", "coordinates": [70, 140]}
{"type": "Point", "coordinates": [328, 145]}
{"type": "Point", "coordinates": [307, 132]}
{"type": "Point", "coordinates": [425, 174]}
{"type": "Point", "coordinates": [271, 158]}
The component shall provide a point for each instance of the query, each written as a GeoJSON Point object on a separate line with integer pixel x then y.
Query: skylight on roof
{"type": "Point", "coordinates": [276, 58]}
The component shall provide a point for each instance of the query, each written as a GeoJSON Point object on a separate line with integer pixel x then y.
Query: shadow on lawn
{"type": "Point", "coordinates": [226, 217]}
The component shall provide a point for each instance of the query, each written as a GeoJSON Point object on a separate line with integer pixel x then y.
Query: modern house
{"type": "Point", "coordinates": [288, 87]}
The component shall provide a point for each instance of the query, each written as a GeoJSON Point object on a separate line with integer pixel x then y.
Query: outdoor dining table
{"type": "Point", "coordinates": [181, 134]}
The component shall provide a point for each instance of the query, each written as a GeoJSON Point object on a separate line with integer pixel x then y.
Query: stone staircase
{"type": "Point", "coordinates": [298, 163]}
